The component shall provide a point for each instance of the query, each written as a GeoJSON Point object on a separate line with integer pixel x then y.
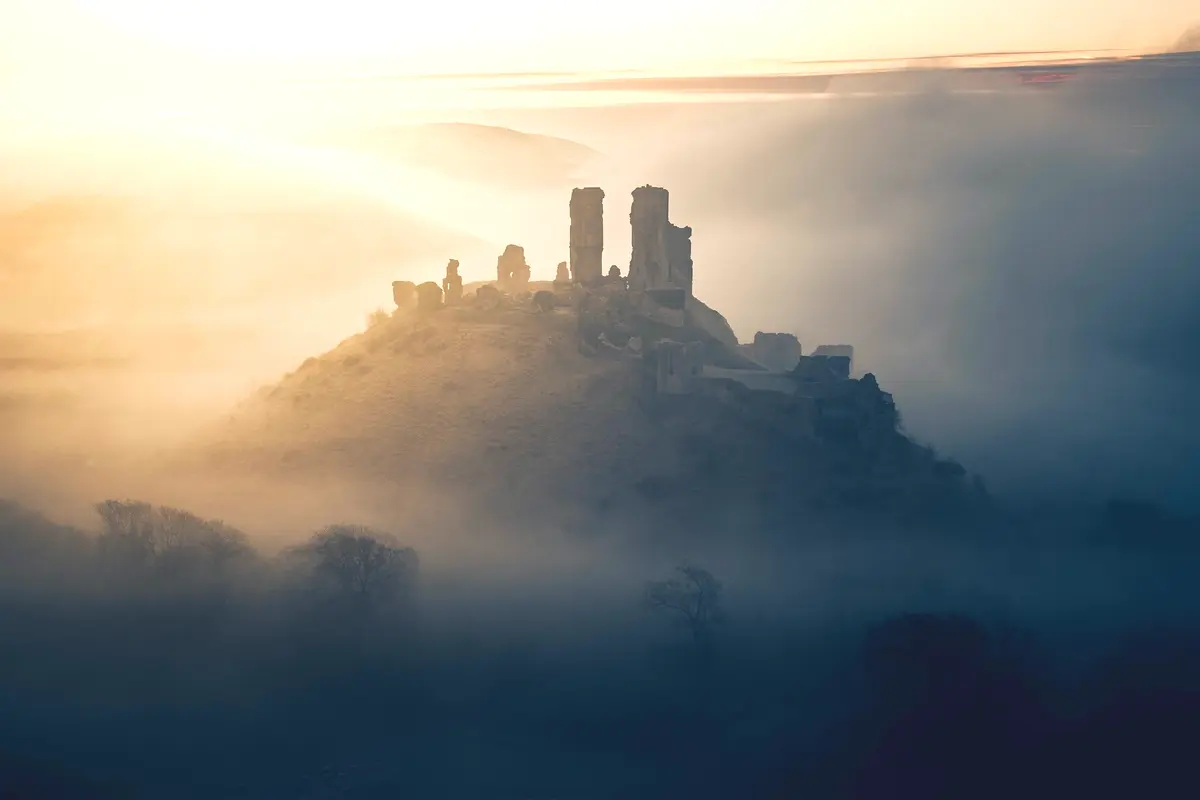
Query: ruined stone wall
{"type": "Point", "coordinates": [844, 353]}
{"type": "Point", "coordinates": [778, 351]}
{"type": "Point", "coordinates": [679, 366]}
{"type": "Point", "coordinates": [587, 234]}
{"type": "Point", "coordinates": [662, 252]}
{"type": "Point", "coordinates": [755, 380]}
{"type": "Point", "coordinates": [679, 257]}
{"type": "Point", "coordinates": [785, 413]}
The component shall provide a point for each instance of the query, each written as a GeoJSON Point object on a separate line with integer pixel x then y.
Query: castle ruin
{"type": "Point", "coordinates": [685, 347]}
{"type": "Point", "coordinates": [452, 285]}
{"type": "Point", "coordinates": [778, 351]}
{"type": "Point", "coordinates": [512, 272]}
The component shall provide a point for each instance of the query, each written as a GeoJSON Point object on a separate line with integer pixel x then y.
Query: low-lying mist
{"type": "Point", "coordinates": [189, 663]}
{"type": "Point", "coordinates": [154, 280]}
{"type": "Point", "coordinates": [1017, 270]}
{"type": "Point", "coordinates": [1016, 267]}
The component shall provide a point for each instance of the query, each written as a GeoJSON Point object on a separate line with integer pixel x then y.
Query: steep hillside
{"type": "Point", "coordinates": [499, 411]}
{"type": "Point", "coordinates": [498, 404]}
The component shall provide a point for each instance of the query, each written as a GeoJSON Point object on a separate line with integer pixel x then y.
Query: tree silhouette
{"type": "Point", "coordinates": [693, 597]}
{"type": "Point", "coordinates": [166, 540]}
{"type": "Point", "coordinates": [363, 564]}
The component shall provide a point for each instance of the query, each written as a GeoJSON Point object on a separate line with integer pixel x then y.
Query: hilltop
{"type": "Point", "coordinates": [594, 400]}
{"type": "Point", "coordinates": [500, 412]}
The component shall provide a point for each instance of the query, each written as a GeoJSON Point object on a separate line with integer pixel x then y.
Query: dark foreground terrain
{"type": "Point", "coordinates": [164, 657]}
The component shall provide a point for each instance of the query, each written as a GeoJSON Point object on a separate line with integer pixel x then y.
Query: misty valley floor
{"type": "Point", "coordinates": [965, 651]}
{"type": "Point", "coordinates": [848, 671]}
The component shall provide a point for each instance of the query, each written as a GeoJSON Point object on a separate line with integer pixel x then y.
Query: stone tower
{"type": "Point", "coordinates": [587, 234]}
{"type": "Point", "coordinates": [662, 252]}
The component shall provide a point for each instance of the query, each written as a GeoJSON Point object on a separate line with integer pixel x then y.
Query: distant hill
{"type": "Point", "coordinates": [481, 153]}
{"type": "Point", "coordinates": [500, 412]}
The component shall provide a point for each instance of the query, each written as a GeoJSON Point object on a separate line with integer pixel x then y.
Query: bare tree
{"type": "Point", "coordinates": [693, 597]}
{"type": "Point", "coordinates": [362, 563]}
{"type": "Point", "coordinates": [128, 531]}
{"type": "Point", "coordinates": [136, 534]}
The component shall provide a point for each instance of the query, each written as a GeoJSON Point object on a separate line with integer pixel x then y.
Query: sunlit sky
{"type": "Point", "coordinates": [91, 57]}
{"type": "Point", "coordinates": [552, 35]}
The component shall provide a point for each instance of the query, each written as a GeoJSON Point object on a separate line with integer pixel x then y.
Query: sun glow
{"type": "Point", "coordinates": [435, 37]}
{"type": "Point", "coordinates": [217, 60]}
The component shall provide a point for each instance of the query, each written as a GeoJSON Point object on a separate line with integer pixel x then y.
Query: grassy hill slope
{"type": "Point", "coordinates": [500, 412]}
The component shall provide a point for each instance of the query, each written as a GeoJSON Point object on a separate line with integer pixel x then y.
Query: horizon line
{"type": "Point", "coordinates": [674, 72]}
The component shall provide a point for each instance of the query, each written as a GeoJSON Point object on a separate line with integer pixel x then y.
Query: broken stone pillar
{"type": "Point", "coordinates": [429, 296]}
{"type": "Point", "coordinates": [520, 279]}
{"type": "Point", "coordinates": [587, 234]}
{"type": "Point", "coordinates": [777, 351]}
{"type": "Point", "coordinates": [512, 273]}
{"type": "Point", "coordinates": [404, 293]}
{"type": "Point", "coordinates": [452, 284]}
{"type": "Point", "coordinates": [563, 275]}
{"type": "Point", "coordinates": [662, 252]}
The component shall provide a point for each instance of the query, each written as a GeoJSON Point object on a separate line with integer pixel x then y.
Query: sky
{"type": "Point", "coordinates": [86, 64]}
{"type": "Point", "coordinates": [46, 36]}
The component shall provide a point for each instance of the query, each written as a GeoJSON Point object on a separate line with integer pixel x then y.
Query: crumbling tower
{"type": "Point", "coordinates": [587, 234]}
{"type": "Point", "coordinates": [662, 252]}
{"type": "Point", "coordinates": [512, 273]}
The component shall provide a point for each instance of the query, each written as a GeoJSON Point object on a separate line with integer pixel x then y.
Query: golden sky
{"type": "Point", "coordinates": [552, 34]}
{"type": "Point", "coordinates": [89, 58]}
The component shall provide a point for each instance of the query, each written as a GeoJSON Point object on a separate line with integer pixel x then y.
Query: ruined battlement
{"type": "Point", "coordinates": [777, 351]}
{"type": "Point", "coordinates": [651, 314]}
{"type": "Point", "coordinates": [661, 259]}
